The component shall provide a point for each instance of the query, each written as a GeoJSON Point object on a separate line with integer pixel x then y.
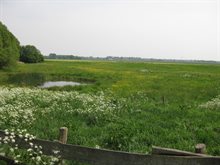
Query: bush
{"type": "Point", "coordinates": [9, 47]}
{"type": "Point", "coordinates": [120, 135]}
{"type": "Point", "coordinates": [30, 54]}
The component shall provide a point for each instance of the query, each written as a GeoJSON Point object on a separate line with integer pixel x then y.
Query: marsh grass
{"type": "Point", "coordinates": [26, 79]}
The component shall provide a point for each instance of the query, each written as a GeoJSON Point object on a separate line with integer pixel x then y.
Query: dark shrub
{"type": "Point", "coordinates": [30, 54]}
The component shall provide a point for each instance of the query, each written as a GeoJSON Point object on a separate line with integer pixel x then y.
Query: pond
{"type": "Point", "coordinates": [49, 84]}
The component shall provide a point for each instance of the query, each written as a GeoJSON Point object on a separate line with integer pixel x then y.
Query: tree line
{"type": "Point", "coordinates": [11, 51]}
{"type": "Point", "coordinates": [66, 57]}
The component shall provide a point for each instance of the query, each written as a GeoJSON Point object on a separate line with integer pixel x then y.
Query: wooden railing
{"type": "Point", "coordinates": [93, 156]}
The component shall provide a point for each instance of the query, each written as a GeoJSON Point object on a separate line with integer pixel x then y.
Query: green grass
{"type": "Point", "coordinates": [156, 103]}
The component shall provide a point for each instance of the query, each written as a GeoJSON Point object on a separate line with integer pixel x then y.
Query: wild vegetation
{"type": "Point", "coordinates": [9, 47]}
{"type": "Point", "coordinates": [124, 106]}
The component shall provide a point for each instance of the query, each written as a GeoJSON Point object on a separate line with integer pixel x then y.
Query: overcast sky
{"type": "Point", "coordinates": [171, 29]}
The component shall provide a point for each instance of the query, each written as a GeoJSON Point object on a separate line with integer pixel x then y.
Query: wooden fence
{"type": "Point", "coordinates": [93, 156]}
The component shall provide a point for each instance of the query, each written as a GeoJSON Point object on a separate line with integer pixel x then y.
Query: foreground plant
{"type": "Point", "coordinates": [19, 106]}
{"type": "Point", "coordinates": [9, 146]}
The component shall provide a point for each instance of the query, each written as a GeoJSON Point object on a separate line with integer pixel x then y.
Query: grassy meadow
{"type": "Point", "coordinates": [126, 106]}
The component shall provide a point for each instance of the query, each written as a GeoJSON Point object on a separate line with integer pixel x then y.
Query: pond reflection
{"type": "Point", "coordinates": [49, 84]}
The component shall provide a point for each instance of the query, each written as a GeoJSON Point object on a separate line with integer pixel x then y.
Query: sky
{"type": "Point", "coordinates": [164, 29]}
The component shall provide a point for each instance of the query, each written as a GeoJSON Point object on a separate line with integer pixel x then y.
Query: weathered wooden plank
{"type": "Point", "coordinates": [167, 151]}
{"type": "Point", "coordinates": [9, 160]}
{"type": "Point", "coordinates": [108, 157]}
{"type": "Point", "coordinates": [184, 160]}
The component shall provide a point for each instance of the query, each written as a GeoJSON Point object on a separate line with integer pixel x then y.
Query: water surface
{"type": "Point", "coordinates": [49, 84]}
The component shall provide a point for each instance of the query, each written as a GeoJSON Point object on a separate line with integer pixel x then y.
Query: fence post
{"type": "Point", "coordinates": [63, 131]}
{"type": "Point", "coordinates": [163, 100]}
{"type": "Point", "coordinates": [200, 148]}
{"type": "Point", "coordinates": [63, 135]}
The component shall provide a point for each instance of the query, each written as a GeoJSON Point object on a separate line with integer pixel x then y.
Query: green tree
{"type": "Point", "coordinates": [30, 54]}
{"type": "Point", "coordinates": [9, 47]}
{"type": "Point", "coordinates": [52, 55]}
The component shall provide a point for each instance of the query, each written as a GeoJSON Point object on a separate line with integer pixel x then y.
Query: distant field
{"type": "Point", "coordinates": [127, 106]}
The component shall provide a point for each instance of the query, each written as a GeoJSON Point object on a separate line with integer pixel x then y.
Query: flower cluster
{"type": "Point", "coordinates": [18, 106]}
{"type": "Point", "coordinates": [33, 155]}
{"type": "Point", "coordinates": [213, 104]}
